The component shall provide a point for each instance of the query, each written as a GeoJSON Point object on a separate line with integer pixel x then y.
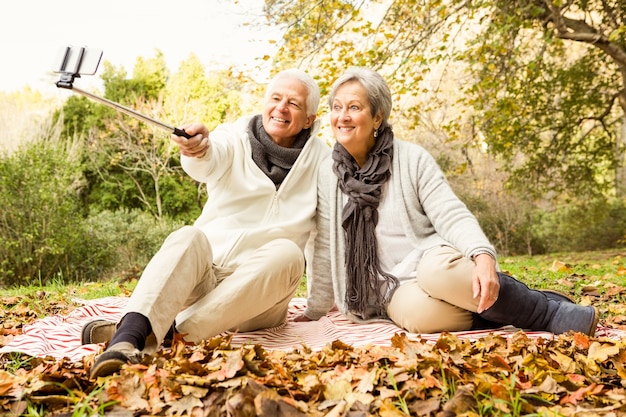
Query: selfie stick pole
{"type": "Point", "coordinates": [67, 81]}
{"type": "Point", "coordinates": [128, 111]}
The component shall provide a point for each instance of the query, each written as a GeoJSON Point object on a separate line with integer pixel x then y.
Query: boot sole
{"type": "Point", "coordinates": [108, 363]}
{"type": "Point", "coordinates": [111, 361]}
{"type": "Point", "coordinates": [594, 325]}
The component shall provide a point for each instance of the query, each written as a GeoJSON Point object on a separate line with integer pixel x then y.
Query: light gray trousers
{"type": "Point", "coordinates": [181, 283]}
{"type": "Point", "coordinates": [441, 296]}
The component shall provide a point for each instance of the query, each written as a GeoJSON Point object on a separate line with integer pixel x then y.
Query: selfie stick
{"type": "Point", "coordinates": [67, 81]}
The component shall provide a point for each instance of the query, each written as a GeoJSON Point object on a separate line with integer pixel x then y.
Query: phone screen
{"type": "Point", "coordinates": [77, 60]}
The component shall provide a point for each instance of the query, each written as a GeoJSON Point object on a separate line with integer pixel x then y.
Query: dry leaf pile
{"type": "Point", "coordinates": [568, 375]}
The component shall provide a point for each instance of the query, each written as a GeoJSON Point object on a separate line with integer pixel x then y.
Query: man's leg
{"type": "Point", "coordinates": [255, 296]}
{"type": "Point", "coordinates": [177, 276]}
{"type": "Point", "coordinates": [179, 273]}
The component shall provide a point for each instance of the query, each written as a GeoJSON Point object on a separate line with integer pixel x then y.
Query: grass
{"type": "Point", "coordinates": [24, 304]}
{"type": "Point", "coordinates": [572, 273]}
{"type": "Point", "coordinates": [569, 272]}
{"type": "Point", "coordinates": [84, 290]}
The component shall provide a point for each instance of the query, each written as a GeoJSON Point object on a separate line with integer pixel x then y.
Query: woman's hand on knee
{"type": "Point", "coordinates": [485, 282]}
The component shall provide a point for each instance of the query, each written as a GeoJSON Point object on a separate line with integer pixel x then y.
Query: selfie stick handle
{"type": "Point", "coordinates": [124, 109]}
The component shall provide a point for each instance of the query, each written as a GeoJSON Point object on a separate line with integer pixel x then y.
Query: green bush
{"type": "Point", "coordinates": [41, 222]}
{"type": "Point", "coordinates": [128, 240]}
{"type": "Point", "coordinates": [44, 234]}
{"type": "Point", "coordinates": [507, 220]}
{"type": "Point", "coordinates": [594, 224]}
{"type": "Point", "coordinates": [517, 226]}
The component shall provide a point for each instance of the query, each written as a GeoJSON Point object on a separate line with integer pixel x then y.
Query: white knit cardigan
{"type": "Point", "coordinates": [432, 215]}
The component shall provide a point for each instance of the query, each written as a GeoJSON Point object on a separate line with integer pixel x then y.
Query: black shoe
{"type": "Point", "coordinates": [112, 359]}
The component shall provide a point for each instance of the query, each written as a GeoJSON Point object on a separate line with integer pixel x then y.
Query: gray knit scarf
{"type": "Point", "coordinates": [369, 289]}
{"type": "Point", "coordinates": [274, 160]}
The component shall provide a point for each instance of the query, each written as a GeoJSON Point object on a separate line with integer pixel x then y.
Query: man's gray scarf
{"type": "Point", "coordinates": [369, 289]}
{"type": "Point", "coordinates": [274, 160]}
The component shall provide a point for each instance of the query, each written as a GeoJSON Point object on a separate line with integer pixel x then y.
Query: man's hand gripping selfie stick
{"type": "Point", "coordinates": [77, 61]}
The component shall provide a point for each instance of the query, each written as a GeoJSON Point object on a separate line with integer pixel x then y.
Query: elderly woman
{"type": "Point", "coordinates": [395, 242]}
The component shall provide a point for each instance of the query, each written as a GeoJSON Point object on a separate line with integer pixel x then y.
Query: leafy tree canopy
{"type": "Point", "coordinates": [191, 95]}
{"type": "Point", "coordinates": [539, 83]}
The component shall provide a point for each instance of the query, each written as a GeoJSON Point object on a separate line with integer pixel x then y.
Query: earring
{"type": "Point", "coordinates": [375, 133]}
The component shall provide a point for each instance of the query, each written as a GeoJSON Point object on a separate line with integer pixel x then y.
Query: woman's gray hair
{"type": "Point", "coordinates": [312, 99]}
{"type": "Point", "coordinates": [378, 92]}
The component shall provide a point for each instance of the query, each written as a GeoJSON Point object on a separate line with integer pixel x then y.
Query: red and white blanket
{"type": "Point", "coordinates": [59, 336]}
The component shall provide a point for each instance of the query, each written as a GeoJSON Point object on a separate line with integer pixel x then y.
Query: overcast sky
{"type": "Point", "coordinates": [33, 31]}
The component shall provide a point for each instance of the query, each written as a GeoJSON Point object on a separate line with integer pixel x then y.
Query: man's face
{"type": "Point", "coordinates": [284, 115]}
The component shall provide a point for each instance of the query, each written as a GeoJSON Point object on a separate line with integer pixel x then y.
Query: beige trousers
{"type": "Point", "coordinates": [441, 296]}
{"type": "Point", "coordinates": [181, 283]}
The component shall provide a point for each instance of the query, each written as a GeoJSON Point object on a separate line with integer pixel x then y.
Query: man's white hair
{"type": "Point", "coordinates": [312, 99]}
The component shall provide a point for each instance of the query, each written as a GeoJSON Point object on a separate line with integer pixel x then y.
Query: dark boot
{"type": "Point", "coordinates": [480, 323]}
{"type": "Point", "coordinates": [522, 307]}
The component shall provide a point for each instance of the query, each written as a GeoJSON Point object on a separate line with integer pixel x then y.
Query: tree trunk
{"type": "Point", "coordinates": [620, 170]}
{"type": "Point", "coordinates": [620, 143]}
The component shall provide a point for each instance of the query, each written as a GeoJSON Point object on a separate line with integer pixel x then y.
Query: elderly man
{"type": "Point", "coordinates": [239, 265]}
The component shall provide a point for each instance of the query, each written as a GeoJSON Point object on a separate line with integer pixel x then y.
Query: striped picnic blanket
{"type": "Point", "coordinates": [59, 336]}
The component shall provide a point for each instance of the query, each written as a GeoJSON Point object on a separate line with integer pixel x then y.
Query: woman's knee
{"type": "Point", "coordinates": [449, 318]}
{"type": "Point", "coordinates": [442, 258]}
{"type": "Point", "coordinates": [445, 274]}
{"type": "Point", "coordinates": [414, 310]}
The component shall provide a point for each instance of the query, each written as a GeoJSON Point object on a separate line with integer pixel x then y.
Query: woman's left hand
{"type": "Point", "coordinates": [485, 281]}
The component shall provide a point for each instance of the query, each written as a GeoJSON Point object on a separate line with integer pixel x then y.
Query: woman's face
{"type": "Point", "coordinates": [352, 121]}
